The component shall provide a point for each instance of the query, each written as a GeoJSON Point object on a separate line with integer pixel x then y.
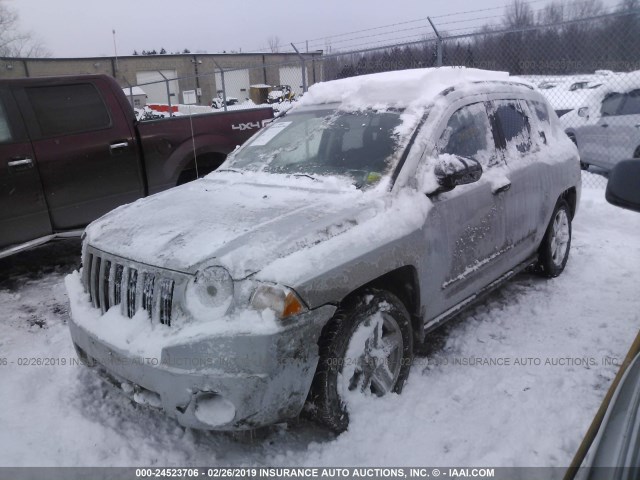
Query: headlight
{"type": "Point", "coordinates": [282, 300]}
{"type": "Point", "coordinates": [210, 293]}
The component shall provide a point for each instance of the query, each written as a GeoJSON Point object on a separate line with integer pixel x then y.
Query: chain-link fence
{"type": "Point", "coordinates": [228, 88]}
{"type": "Point", "coordinates": [585, 67]}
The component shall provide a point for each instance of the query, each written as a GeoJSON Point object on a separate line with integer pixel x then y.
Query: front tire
{"type": "Point", "coordinates": [366, 350]}
{"type": "Point", "coordinates": [556, 243]}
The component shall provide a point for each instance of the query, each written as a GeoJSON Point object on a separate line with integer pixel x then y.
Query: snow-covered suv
{"type": "Point", "coordinates": [307, 267]}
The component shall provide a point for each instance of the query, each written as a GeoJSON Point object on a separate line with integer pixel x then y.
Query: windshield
{"type": "Point", "coordinates": [320, 142]}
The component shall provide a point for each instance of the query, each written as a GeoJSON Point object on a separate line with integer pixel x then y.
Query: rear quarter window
{"type": "Point", "coordinates": [543, 122]}
{"type": "Point", "coordinates": [66, 109]}
{"type": "Point", "coordinates": [541, 111]}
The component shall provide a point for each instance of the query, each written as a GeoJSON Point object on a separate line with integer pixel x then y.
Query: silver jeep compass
{"type": "Point", "coordinates": [304, 271]}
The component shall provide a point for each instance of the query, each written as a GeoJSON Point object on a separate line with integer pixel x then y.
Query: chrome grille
{"type": "Point", "coordinates": [117, 284]}
{"type": "Point", "coordinates": [147, 291]}
{"type": "Point", "coordinates": [166, 300]}
{"type": "Point", "coordinates": [111, 280]}
{"type": "Point", "coordinates": [132, 284]}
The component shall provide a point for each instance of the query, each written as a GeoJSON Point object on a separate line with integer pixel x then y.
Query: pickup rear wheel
{"type": "Point", "coordinates": [366, 351]}
{"type": "Point", "coordinates": [207, 163]}
{"type": "Point", "coordinates": [554, 250]}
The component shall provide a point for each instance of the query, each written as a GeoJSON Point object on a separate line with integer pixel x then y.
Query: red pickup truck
{"type": "Point", "coordinates": [71, 150]}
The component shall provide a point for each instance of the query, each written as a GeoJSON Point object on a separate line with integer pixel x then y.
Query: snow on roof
{"type": "Point", "coordinates": [398, 89]}
{"type": "Point", "coordinates": [136, 91]}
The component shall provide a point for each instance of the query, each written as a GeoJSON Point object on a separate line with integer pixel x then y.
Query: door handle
{"type": "Point", "coordinates": [118, 146]}
{"type": "Point", "coordinates": [604, 125]}
{"type": "Point", "coordinates": [19, 164]}
{"type": "Point", "coordinates": [502, 188]}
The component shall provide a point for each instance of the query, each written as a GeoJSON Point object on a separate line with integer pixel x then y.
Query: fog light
{"type": "Point", "coordinates": [214, 410]}
{"type": "Point", "coordinates": [147, 398]}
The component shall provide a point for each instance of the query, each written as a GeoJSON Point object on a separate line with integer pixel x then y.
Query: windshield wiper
{"type": "Point", "coordinates": [230, 170]}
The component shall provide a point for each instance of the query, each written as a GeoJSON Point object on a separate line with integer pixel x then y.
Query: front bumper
{"type": "Point", "coordinates": [235, 382]}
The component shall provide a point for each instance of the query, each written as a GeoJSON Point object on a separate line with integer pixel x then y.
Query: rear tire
{"type": "Point", "coordinates": [556, 243]}
{"type": "Point", "coordinates": [366, 349]}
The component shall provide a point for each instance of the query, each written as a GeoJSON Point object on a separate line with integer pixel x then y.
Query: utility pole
{"type": "Point", "coordinates": [115, 48]}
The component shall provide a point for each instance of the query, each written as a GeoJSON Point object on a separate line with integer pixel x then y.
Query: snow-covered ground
{"type": "Point", "coordinates": [548, 341]}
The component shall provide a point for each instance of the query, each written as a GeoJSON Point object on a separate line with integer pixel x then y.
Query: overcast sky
{"type": "Point", "coordinates": [76, 28]}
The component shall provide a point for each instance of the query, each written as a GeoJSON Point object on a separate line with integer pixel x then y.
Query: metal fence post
{"type": "Point", "coordinates": [438, 44]}
{"type": "Point", "coordinates": [130, 92]}
{"type": "Point", "coordinates": [304, 69]}
{"type": "Point", "coordinates": [224, 89]}
{"type": "Point", "coordinates": [166, 81]}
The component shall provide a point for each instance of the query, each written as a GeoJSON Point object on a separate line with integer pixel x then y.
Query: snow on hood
{"type": "Point", "coordinates": [236, 224]}
{"type": "Point", "coordinates": [398, 89]}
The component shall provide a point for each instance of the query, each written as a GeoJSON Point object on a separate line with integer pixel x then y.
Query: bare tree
{"type": "Point", "coordinates": [15, 42]}
{"type": "Point", "coordinates": [518, 15]}
{"type": "Point", "coordinates": [584, 9]}
{"type": "Point", "coordinates": [554, 12]}
{"type": "Point", "coordinates": [274, 43]}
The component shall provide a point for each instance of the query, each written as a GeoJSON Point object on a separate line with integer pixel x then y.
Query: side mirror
{"type": "Point", "coordinates": [623, 186]}
{"type": "Point", "coordinates": [453, 171]}
{"type": "Point", "coordinates": [583, 112]}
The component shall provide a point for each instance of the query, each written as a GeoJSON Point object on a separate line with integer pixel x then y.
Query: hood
{"type": "Point", "coordinates": [239, 225]}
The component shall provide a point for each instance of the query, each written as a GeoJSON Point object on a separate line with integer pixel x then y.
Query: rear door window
{"type": "Point", "coordinates": [514, 125]}
{"type": "Point", "coordinates": [66, 109]}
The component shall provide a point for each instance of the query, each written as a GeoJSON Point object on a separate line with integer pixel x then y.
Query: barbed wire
{"type": "Point", "coordinates": [328, 41]}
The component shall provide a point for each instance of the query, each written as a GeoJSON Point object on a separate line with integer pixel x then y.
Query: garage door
{"type": "Point", "coordinates": [236, 82]}
{"type": "Point", "coordinates": [157, 92]}
{"type": "Point", "coordinates": [292, 75]}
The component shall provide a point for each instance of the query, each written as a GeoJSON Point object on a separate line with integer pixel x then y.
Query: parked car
{"type": "Point", "coordinates": [307, 267]}
{"type": "Point", "coordinates": [606, 127]}
{"type": "Point", "coordinates": [611, 447]}
{"type": "Point", "coordinates": [569, 93]}
{"type": "Point", "coordinates": [281, 93]}
{"type": "Point", "coordinates": [71, 150]}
